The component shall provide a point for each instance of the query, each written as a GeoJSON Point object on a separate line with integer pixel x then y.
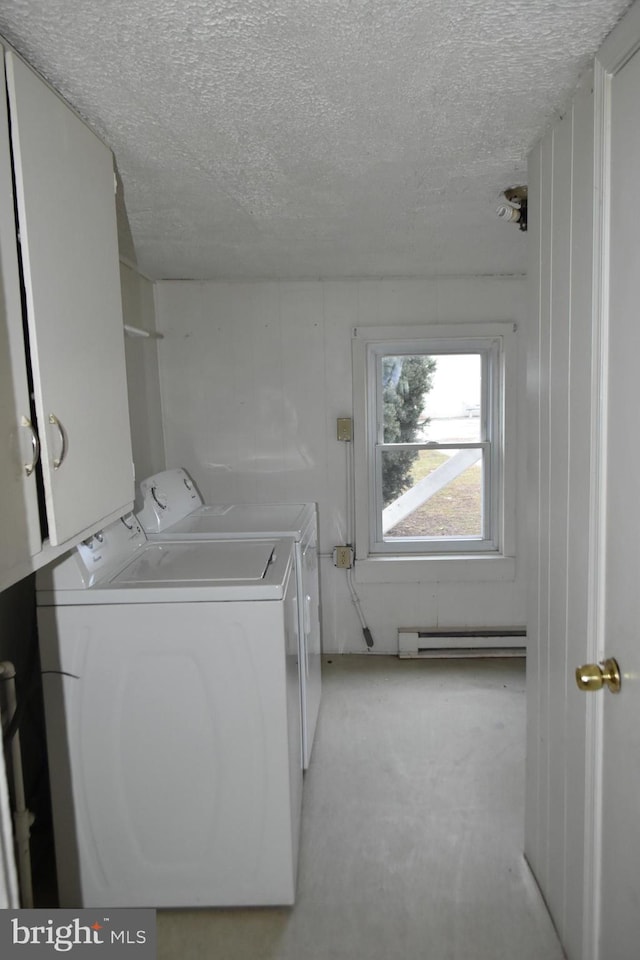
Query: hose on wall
{"type": "Point", "coordinates": [351, 493]}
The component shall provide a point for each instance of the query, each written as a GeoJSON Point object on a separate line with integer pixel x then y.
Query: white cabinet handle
{"type": "Point", "coordinates": [35, 446]}
{"type": "Point", "coordinates": [53, 420]}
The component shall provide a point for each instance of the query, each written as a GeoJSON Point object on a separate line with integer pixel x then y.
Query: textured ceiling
{"type": "Point", "coordinates": [315, 138]}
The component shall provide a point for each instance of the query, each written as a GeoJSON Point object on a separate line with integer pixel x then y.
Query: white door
{"type": "Point", "coordinates": [619, 934]}
{"type": "Point", "coordinates": [66, 209]}
{"type": "Point", "coordinates": [583, 767]}
{"type": "Point", "coordinates": [19, 520]}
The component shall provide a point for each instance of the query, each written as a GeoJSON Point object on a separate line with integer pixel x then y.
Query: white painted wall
{"type": "Point", "coordinates": [142, 374]}
{"type": "Point", "coordinates": [253, 377]}
{"type": "Point", "coordinates": [561, 476]}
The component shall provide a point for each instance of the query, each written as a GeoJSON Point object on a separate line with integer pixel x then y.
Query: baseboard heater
{"type": "Point", "coordinates": [461, 642]}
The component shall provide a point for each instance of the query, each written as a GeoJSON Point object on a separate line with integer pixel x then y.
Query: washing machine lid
{"type": "Point", "coordinates": [193, 571]}
{"type": "Point", "coordinates": [196, 561]}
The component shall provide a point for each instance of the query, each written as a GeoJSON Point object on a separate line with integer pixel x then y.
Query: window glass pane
{"type": "Point", "coordinates": [433, 397]}
{"type": "Point", "coordinates": [432, 493]}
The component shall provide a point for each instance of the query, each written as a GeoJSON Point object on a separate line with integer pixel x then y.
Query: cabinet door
{"type": "Point", "coordinates": [66, 211]}
{"type": "Point", "coordinates": [19, 520]}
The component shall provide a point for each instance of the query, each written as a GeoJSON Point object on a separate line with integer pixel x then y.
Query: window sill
{"type": "Point", "coordinates": [441, 569]}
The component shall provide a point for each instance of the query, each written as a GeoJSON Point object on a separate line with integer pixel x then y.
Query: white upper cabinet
{"type": "Point", "coordinates": [65, 191]}
{"type": "Point", "coordinates": [72, 343]}
{"type": "Point", "coordinates": [19, 518]}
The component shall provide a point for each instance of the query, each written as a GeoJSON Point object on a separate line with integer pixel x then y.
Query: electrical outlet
{"type": "Point", "coordinates": [343, 557]}
{"type": "Point", "coordinates": [344, 428]}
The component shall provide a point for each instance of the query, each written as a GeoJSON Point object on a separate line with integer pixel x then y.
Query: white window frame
{"type": "Point", "coordinates": [496, 344]}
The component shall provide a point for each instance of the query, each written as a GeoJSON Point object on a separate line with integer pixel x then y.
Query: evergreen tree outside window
{"type": "Point", "coordinates": [406, 381]}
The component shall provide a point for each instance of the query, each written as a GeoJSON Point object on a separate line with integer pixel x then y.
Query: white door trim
{"type": "Point", "coordinates": [617, 50]}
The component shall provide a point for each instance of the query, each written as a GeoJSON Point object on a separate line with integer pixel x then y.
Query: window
{"type": "Point", "coordinates": [429, 411]}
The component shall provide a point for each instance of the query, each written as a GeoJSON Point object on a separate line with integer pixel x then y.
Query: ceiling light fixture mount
{"type": "Point", "coordinates": [515, 209]}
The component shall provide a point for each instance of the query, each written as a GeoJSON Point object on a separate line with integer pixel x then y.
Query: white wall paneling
{"type": "Point", "coordinates": [253, 377]}
{"type": "Point", "coordinates": [560, 486]}
{"type": "Point", "coordinates": [535, 751]}
{"type": "Point", "coordinates": [581, 356]}
{"type": "Point", "coordinates": [557, 462]}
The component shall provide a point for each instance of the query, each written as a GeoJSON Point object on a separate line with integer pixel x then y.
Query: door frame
{"type": "Point", "coordinates": [615, 52]}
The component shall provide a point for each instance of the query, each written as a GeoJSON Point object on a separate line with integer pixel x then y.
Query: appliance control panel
{"type": "Point", "coordinates": [108, 549]}
{"type": "Point", "coordinates": [167, 498]}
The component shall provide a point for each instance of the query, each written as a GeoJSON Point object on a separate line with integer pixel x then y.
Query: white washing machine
{"type": "Point", "coordinates": [172, 508]}
{"type": "Point", "coordinates": [171, 689]}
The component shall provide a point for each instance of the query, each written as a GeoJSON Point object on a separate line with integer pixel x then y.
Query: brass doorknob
{"type": "Point", "coordinates": [594, 676]}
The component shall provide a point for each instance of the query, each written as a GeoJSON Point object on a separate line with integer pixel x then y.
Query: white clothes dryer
{"type": "Point", "coordinates": [172, 508]}
{"type": "Point", "coordinates": [171, 689]}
